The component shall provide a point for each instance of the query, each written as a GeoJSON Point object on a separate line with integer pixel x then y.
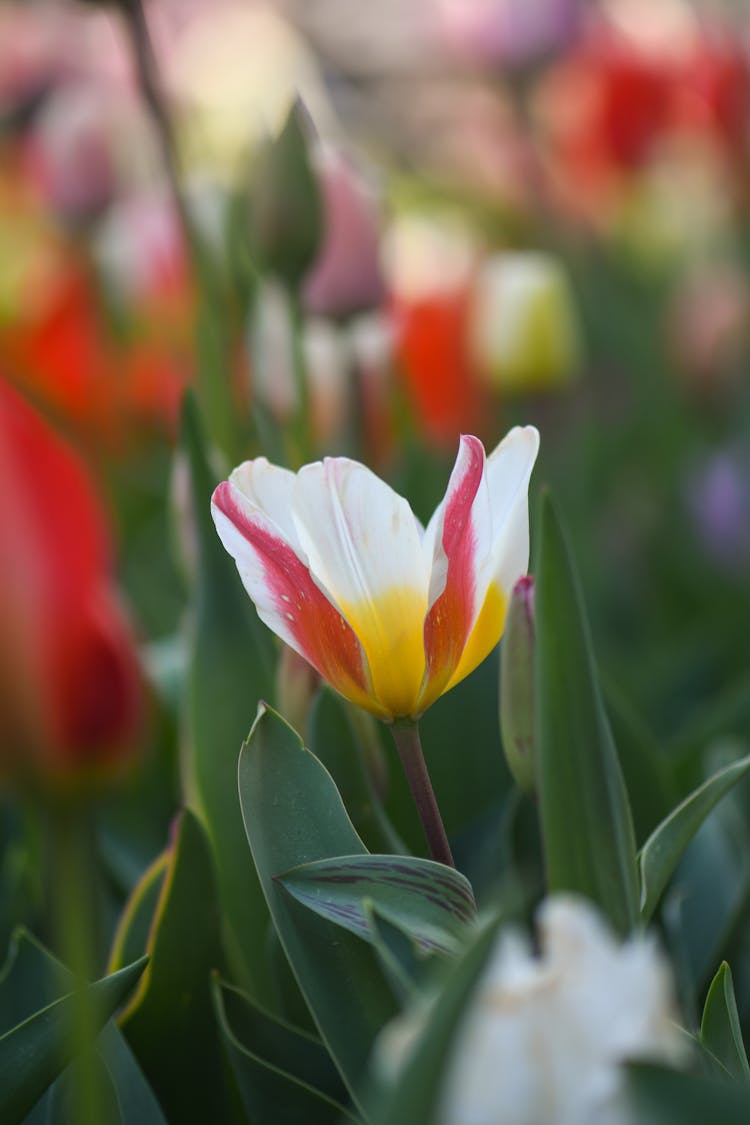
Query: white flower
{"type": "Point", "coordinates": [543, 1041]}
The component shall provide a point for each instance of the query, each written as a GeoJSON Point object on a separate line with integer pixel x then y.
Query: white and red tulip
{"type": "Point", "coordinates": [340, 568]}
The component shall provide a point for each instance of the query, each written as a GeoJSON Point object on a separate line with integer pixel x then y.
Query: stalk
{"type": "Point", "coordinates": [409, 746]}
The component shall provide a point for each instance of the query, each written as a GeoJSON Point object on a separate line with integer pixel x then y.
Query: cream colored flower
{"type": "Point", "coordinates": [544, 1040]}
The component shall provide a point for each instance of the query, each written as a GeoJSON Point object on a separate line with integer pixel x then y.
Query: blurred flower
{"type": "Point", "coordinates": [62, 350]}
{"type": "Point", "coordinates": [718, 500]}
{"type": "Point", "coordinates": [339, 567]}
{"type": "Point", "coordinates": [505, 32]}
{"type": "Point", "coordinates": [431, 264]}
{"type": "Point", "coordinates": [69, 679]}
{"type": "Point", "coordinates": [545, 1036]}
{"type": "Point", "coordinates": [524, 323]}
{"type": "Point", "coordinates": [345, 277]}
{"type": "Point", "coordinates": [709, 322]}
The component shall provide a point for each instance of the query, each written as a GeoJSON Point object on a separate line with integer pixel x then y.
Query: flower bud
{"type": "Point", "coordinates": [296, 684]}
{"type": "Point", "coordinates": [517, 684]}
{"type": "Point", "coordinates": [524, 326]}
{"type": "Point", "coordinates": [285, 206]}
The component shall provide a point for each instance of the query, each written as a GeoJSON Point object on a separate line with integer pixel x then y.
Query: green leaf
{"type": "Point", "coordinates": [169, 1023]}
{"type": "Point", "coordinates": [659, 1096]}
{"type": "Point", "coordinates": [431, 902]}
{"type": "Point", "coordinates": [294, 815]}
{"type": "Point", "coordinates": [721, 1033]}
{"type": "Point", "coordinates": [339, 739]}
{"type": "Point", "coordinates": [34, 1052]}
{"type": "Point", "coordinates": [134, 928]}
{"type": "Point", "coordinates": [33, 979]}
{"type": "Point", "coordinates": [231, 667]}
{"type": "Point", "coordinates": [586, 824]}
{"type": "Point", "coordinates": [414, 1096]}
{"type": "Point", "coordinates": [405, 965]}
{"type": "Point", "coordinates": [278, 1069]}
{"type": "Point", "coordinates": [665, 846]}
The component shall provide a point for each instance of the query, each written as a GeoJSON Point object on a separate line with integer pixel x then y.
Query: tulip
{"type": "Point", "coordinates": [545, 1036]}
{"type": "Point", "coordinates": [525, 329]}
{"type": "Point", "coordinates": [68, 672]}
{"type": "Point", "coordinates": [391, 614]}
{"type": "Point", "coordinates": [340, 568]}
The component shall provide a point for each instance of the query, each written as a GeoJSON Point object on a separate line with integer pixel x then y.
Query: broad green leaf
{"type": "Point", "coordinates": [294, 815]}
{"type": "Point", "coordinates": [230, 670]}
{"type": "Point", "coordinates": [586, 824]}
{"type": "Point", "coordinates": [721, 1033]}
{"type": "Point", "coordinates": [33, 979]}
{"type": "Point", "coordinates": [169, 1022]}
{"type": "Point", "coordinates": [667, 1097]}
{"type": "Point", "coordinates": [338, 739]}
{"type": "Point", "coordinates": [431, 902]}
{"type": "Point", "coordinates": [414, 1096]}
{"type": "Point", "coordinates": [665, 846]}
{"type": "Point", "coordinates": [34, 1052]}
{"type": "Point", "coordinates": [277, 1068]}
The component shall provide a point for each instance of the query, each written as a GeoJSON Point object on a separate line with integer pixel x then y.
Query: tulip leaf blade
{"type": "Point", "coordinates": [666, 845]}
{"type": "Point", "coordinates": [434, 904]}
{"type": "Point", "coordinates": [35, 1051]}
{"type": "Point", "coordinates": [293, 814]}
{"type": "Point", "coordinates": [587, 828]}
{"type": "Point", "coordinates": [170, 1018]}
{"type": "Point", "coordinates": [230, 667]}
{"type": "Point", "coordinates": [277, 1068]}
{"type": "Point", "coordinates": [660, 1096]}
{"type": "Point", "coordinates": [721, 1033]}
{"type": "Point", "coordinates": [34, 978]}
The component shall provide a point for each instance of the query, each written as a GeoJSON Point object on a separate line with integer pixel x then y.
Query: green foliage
{"type": "Point", "coordinates": [720, 1027]}
{"type": "Point", "coordinates": [230, 670]}
{"type": "Point", "coordinates": [432, 903]}
{"type": "Point", "coordinates": [37, 1014]}
{"type": "Point", "coordinates": [665, 846]}
{"type": "Point", "coordinates": [294, 815]}
{"type": "Point", "coordinates": [585, 815]}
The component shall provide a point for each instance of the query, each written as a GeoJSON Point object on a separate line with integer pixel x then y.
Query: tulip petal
{"type": "Point", "coordinates": [508, 471]}
{"type": "Point", "coordinates": [363, 543]}
{"type": "Point", "coordinates": [287, 598]}
{"type": "Point", "coordinates": [459, 538]}
{"type": "Point", "coordinates": [269, 488]}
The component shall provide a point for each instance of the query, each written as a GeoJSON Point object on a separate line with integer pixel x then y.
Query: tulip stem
{"type": "Point", "coordinates": [409, 746]}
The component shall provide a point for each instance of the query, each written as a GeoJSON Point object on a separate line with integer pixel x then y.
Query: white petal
{"type": "Point", "coordinates": [508, 473]}
{"type": "Point", "coordinates": [361, 538]}
{"type": "Point", "coordinates": [268, 488]}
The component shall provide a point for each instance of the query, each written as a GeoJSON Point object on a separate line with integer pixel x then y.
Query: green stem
{"type": "Point", "coordinates": [72, 905]}
{"type": "Point", "coordinates": [302, 414]}
{"type": "Point", "coordinates": [409, 746]}
{"type": "Point", "coordinates": [213, 325]}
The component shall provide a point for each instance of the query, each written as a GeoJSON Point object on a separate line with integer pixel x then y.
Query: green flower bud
{"type": "Point", "coordinates": [517, 684]}
{"type": "Point", "coordinates": [285, 206]}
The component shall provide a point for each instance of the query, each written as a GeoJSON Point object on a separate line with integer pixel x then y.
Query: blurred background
{"type": "Point", "coordinates": [363, 229]}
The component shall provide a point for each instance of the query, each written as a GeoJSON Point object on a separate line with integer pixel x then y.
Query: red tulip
{"type": "Point", "coordinates": [69, 684]}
